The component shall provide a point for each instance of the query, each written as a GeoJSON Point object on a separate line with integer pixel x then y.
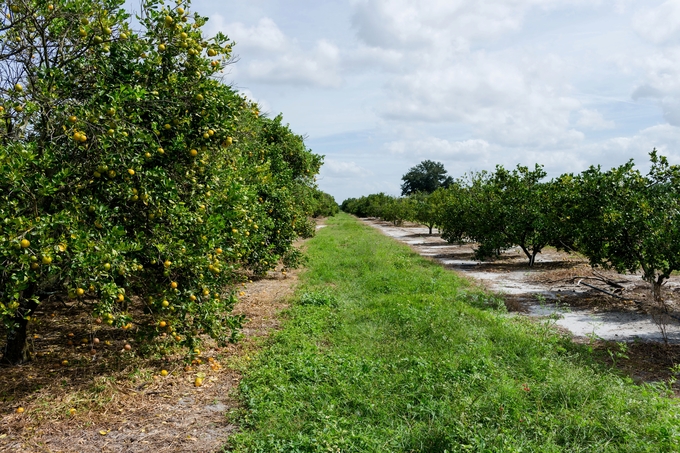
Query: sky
{"type": "Point", "coordinates": [377, 86]}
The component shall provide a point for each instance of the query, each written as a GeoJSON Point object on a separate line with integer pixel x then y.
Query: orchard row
{"type": "Point", "coordinates": [619, 218]}
{"type": "Point", "coordinates": [131, 178]}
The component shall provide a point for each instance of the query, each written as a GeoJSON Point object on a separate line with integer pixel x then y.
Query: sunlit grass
{"type": "Point", "coordinates": [386, 351]}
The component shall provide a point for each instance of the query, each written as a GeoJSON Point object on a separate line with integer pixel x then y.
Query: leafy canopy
{"type": "Point", "coordinates": [426, 177]}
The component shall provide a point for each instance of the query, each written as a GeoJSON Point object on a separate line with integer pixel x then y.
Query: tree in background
{"type": "Point", "coordinates": [324, 205]}
{"type": "Point", "coordinates": [423, 209]}
{"type": "Point", "coordinates": [425, 177]}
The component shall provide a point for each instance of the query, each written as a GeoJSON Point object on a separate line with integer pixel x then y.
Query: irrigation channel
{"type": "Point", "coordinates": [561, 287]}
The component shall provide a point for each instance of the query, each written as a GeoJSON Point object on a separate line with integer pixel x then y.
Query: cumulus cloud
{"type": "Point", "coordinates": [513, 98]}
{"type": "Point", "coordinates": [466, 150]}
{"type": "Point", "coordinates": [272, 57]}
{"type": "Point", "coordinates": [333, 168]}
{"type": "Point", "coordinates": [660, 24]}
{"type": "Point", "coordinates": [409, 23]}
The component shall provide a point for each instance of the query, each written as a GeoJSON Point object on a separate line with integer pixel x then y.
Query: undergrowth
{"type": "Point", "coordinates": [385, 351]}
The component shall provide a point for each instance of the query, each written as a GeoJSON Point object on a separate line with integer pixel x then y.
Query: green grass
{"type": "Point", "coordinates": [387, 352]}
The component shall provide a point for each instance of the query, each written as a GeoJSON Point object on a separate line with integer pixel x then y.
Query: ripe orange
{"type": "Point", "coordinates": [164, 372]}
{"type": "Point", "coordinates": [20, 410]}
{"type": "Point", "coordinates": [173, 285]}
{"type": "Point", "coordinates": [162, 324]}
{"type": "Point", "coordinates": [25, 243]}
{"type": "Point", "coordinates": [127, 347]}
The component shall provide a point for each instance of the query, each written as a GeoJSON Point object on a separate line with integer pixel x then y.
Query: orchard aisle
{"type": "Point", "coordinates": [549, 289]}
{"type": "Point", "coordinates": [383, 350]}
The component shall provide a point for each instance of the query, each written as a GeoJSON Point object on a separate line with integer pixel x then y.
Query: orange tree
{"type": "Point", "coordinates": [132, 179]}
{"type": "Point", "coordinates": [628, 221]}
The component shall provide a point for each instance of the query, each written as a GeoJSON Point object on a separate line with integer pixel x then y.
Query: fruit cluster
{"type": "Point", "coordinates": [133, 179]}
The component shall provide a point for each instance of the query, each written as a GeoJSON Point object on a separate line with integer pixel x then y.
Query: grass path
{"type": "Point", "coordinates": [384, 351]}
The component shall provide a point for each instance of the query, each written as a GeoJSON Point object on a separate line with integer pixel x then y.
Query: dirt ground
{"type": "Point", "coordinates": [119, 402]}
{"type": "Point", "coordinates": [624, 326]}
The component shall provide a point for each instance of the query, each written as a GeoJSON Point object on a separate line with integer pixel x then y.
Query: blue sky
{"type": "Point", "coordinates": [379, 85]}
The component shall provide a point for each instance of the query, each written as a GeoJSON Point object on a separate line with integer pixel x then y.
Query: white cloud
{"type": "Point", "coordinates": [466, 150]}
{"type": "Point", "coordinates": [659, 24]}
{"type": "Point", "coordinates": [272, 57]}
{"type": "Point", "coordinates": [592, 119]}
{"type": "Point", "coordinates": [346, 170]}
{"type": "Point", "coordinates": [516, 103]}
{"type": "Point", "coordinates": [409, 23]}
{"type": "Point", "coordinates": [318, 67]}
{"type": "Point", "coordinates": [265, 36]}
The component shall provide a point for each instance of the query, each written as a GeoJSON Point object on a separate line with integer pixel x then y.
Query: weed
{"type": "Point", "coordinates": [430, 366]}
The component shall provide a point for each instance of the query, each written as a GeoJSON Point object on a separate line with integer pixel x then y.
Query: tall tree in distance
{"type": "Point", "coordinates": [425, 177]}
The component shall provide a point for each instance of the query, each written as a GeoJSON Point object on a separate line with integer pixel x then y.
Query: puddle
{"type": "Point", "coordinates": [607, 325]}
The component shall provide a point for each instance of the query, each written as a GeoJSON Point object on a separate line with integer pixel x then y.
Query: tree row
{"type": "Point", "coordinates": [132, 180]}
{"type": "Point", "coordinates": [618, 218]}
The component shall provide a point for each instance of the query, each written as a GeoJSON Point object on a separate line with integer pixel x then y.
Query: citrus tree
{"type": "Point", "coordinates": [423, 209]}
{"type": "Point", "coordinates": [628, 221]}
{"type": "Point", "coordinates": [500, 210]}
{"type": "Point", "coordinates": [132, 179]}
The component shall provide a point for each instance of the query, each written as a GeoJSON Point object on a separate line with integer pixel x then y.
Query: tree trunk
{"type": "Point", "coordinates": [430, 227]}
{"type": "Point", "coordinates": [17, 350]}
{"type": "Point", "coordinates": [529, 255]}
{"type": "Point", "coordinates": [656, 290]}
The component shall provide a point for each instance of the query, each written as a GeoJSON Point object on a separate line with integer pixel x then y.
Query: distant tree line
{"type": "Point", "coordinates": [323, 204]}
{"type": "Point", "coordinates": [619, 219]}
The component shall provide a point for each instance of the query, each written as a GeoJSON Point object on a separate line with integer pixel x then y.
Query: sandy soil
{"type": "Point", "coordinates": [555, 287]}
{"type": "Point", "coordinates": [130, 407]}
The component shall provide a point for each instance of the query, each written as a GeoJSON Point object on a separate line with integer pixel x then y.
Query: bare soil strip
{"type": "Point", "coordinates": [127, 406]}
{"type": "Point", "coordinates": [554, 290]}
